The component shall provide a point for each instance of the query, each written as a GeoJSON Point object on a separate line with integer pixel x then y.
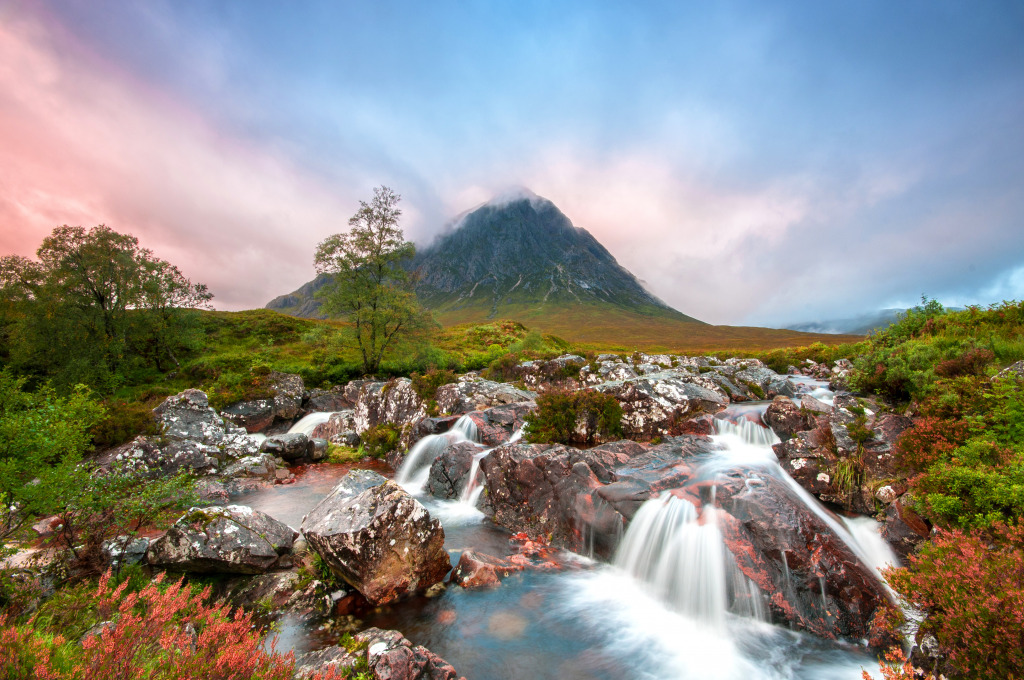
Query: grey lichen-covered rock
{"type": "Point", "coordinates": [660, 404]}
{"type": "Point", "coordinates": [291, 446]}
{"type": "Point", "coordinates": [288, 390]}
{"type": "Point", "coordinates": [261, 466]}
{"type": "Point", "coordinates": [143, 453]}
{"type": "Point", "coordinates": [382, 541]}
{"type": "Point", "coordinates": [387, 655]}
{"type": "Point", "coordinates": [340, 428]}
{"type": "Point", "coordinates": [472, 393]}
{"type": "Point", "coordinates": [786, 418]}
{"type": "Point", "coordinates": [230, 539]}
{"type": "Point", "coordinates": [125, 550]}
{"type": "Point", "coordinates": [394, 402]}
{"type": "Point", "coordinates": [188, 417]}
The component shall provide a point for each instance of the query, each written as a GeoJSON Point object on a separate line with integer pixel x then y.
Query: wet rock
{"type": "Point", "coordinates": [814, 406]}
{"type": "Point", "coordinates": [1013, 371]}
{"type": "Point", "coordinates": [471, 393]}
{"type": "Point", "coordinates": [479, 570]}
{"type": "Point", "coordinates": [322, 661]}
{"type": "Point", "coordinates": [497, 424]}
{"type": "Point", "coordinates": [317, 449]}
{"type": "Point", "coordinates": [782, 387]}
{"type": "Point", "coordinates": [449, 472]}
{"type": "Point", "coordinates": [340, 428]}
{"type": "Point", "coordinates": [382, 541]}
{"type": "Point", "coordinates": [291, 447]}
{"type": "Point", "coordinates": [807, 462]}
{"type": "Point", "coordinates": [231, 539]}
{"type": "Point", "coordinates": [785, 418]}
{"type": "Point", "coordinates": [211, 490]}
{"type": "Point", "coordinates": [903, 528]}
{"type": "Point", "coordinates": [813, 579]}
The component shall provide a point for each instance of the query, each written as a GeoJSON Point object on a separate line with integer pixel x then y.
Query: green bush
{"type": "Point", "coordinates": [580, 418]}
{"type": "Point", "coordinates": [380, 440]}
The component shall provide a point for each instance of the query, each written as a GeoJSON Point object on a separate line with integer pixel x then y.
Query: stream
{"type": "Point", "coordinates": [665, 608]}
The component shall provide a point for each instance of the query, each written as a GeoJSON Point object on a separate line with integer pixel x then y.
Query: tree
{"type": "Point", "coordinates": [94, 306]}
{"type": "Point", "coordinates": [370, 287]}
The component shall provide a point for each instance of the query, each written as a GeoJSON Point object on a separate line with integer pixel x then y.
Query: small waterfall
{"type": "Point", "coordinates": [474, 487]}
{"type": "Point", "coordinates": [747, 431]}
{"type": "Point", "coordinates": [680, 555]}
{"type": "Point", "coordinates": [308, 423]}
{"type": "Point", "coordinates": [415, 469]}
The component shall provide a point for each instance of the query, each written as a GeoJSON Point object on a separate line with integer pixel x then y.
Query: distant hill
{"type": "Point", "coordinates": [855, 325]}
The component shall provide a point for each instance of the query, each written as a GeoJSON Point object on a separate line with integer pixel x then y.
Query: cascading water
{"type": "Point", "coordinates": [308, 423]}
{"type": "Point", "coordinates": [747, 431]}
{"type": "Point", "coordinates": [679, 553]}
{"type": "Point", "coordinates": [415, 469]}
{"type": "Point", "coordinates": [473, 488]}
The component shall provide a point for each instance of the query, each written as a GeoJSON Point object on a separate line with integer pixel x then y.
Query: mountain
{"type": "Point", "coordinates": [857, 325]}
{"type": "Point", "coordinates": [517, 256]}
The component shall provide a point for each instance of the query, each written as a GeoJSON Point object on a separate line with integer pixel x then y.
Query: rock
{"type": "Point", "coordinates": [394, 402]}
{"type": "Point", "coordinates": [382, 541]}
{"type": "Point", "coordinates": [194, 436]}
{"type": "Point", "coordinates": [211, 490]}
{"type": "Point", "coordinates": [782, 387]}
{"type": "Point", "coordinates": [562, 371]}
{"type": "Point", "coordinates": [125, 550]}
{"type": "Point", "coordinates": [387, 654]}
{"type": "Point", "coordinates": [262, 466]}
{"type": "Point", "coordinates": [97, 630]}
{"type": "Point", "coordinates": [48, 525]}
{"type": "Point", "coordinates": [903, 528]}
{"type": "Point", "coordinates": [288, 390]}
{"type": "Point", "coordinates": [1015, 371]}
{"type": "Point", "coordinates": [352, 484]}
{"type": "Point", "coordinates": [807, 462]}
{"type": "Point", "coordinates": [317, 450]}
{"type": "Point", "coordinates": [254, 416]}
{"type": "Point", "coordinates": [497, 424]}
{"type": "Point", "coordinates": [785, 418]}
{"type": "Point", "coordinates": [450, 470]}
{"type": "Point", "coordinates": [886, 494]}
{"type": "Point", "coordinates": [478, 570]}
{"type": "Point", "coordinates": [814, 406]}
{"type": "Point", "coordinates": [142, 453]}
{"type": "Point", "coordinates": [658, 405]}
{"type": "Point", "coordinates": [292, 446]}
{"type": "Point", "coordinates": [231, 539]}
{"type": "Point", "coordinates": [340, 428]}
{"type": "Point", "coordinates": [474, 394]}
{"type": "Point", "coordinates": [334, 399]}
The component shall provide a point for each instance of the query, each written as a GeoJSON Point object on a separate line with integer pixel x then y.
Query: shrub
{"type": "Point", "coordinates": [123, 422]}
{"type": "Point", "coordinates": [930, 439]}
{"type": "Point", "coordinates": [972, 594]}
{"type": "Point", "coordinates": [567, 417]}
{"type": "Point", "coordinates": [380, 440]}
{"type": "Point", "coordinates": [425, 385]}
{"type": "Point", "coordinates": [160, 632]}
{"type": "Point", "coordinates": [972, 362]}
{"type": "Point", "coordinates": [503, 369]}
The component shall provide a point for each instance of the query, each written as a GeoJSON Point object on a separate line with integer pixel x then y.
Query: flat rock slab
{"type": "Point", "coordinates": [230, 539]}
{"type": "Point", "coordinates": [479, 570]}
{"type": "Point", "coordinates": [381, 540]}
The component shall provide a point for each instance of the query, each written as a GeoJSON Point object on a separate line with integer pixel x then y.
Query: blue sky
{"type": "Point", "coordinates": [752, 162]}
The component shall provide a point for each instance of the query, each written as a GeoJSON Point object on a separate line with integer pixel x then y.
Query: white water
{"type": "Point", "coordinates": [308, 423]}
{"type": "Point", "coordinates": [747, 431]}
{"type": "Point", "coordinates": [867, 533]}
{"type": "Point", "coordinates": [415, 469]}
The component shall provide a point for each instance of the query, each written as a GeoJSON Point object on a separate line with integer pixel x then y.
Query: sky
{"type": "Point", "coordinates": [752, 163]}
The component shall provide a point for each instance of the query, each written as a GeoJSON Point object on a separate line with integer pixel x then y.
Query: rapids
{"type": "Point", "coordinates": [671, 604]}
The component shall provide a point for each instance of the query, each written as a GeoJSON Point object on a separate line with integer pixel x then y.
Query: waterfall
{"type": "Point", "coordinates": [747, 431]}
{"type": "Point", "coordinates": [415, 469]}
{"type": "Point", "coordinates": [308, 423]}
{"type": "Point", "coordinates": [681, 557]}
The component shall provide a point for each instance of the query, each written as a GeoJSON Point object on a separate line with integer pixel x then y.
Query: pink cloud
{"type": "Point", "coordinates": [81, 143]}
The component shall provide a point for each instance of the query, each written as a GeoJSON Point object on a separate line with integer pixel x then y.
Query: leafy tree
{"type": "Point", "coordinates": [370, 287]}
{"type": "Point", "coordinates": [93, 307]}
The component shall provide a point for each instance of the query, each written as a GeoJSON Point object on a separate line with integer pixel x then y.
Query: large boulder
{"type": "Point", "coordinates": [479, 570]}
{"type": "Point", "coordinates": [785, 418]}
{"type": "Point", "coordinates": [449, 472]}
{"type": "Point", "coordinates": [394, 402]}
{"type": "Point", "coordinates": [496, 425]}
{"type": "Point", "coordinates": [188, 417]}
{"type": "Point", "coordinates": [660, 404]}
{"type": "Point", "coordinates": [340, 428]}
{"type": "Point", "coordinates": [334, 399]}
{"type": "Point", "coordinates": [231, 539]}
{"type": "Point", "coordinates": [382, 541]}
{"type": "Point", "coordinates": [472, 393]}
{"type": "Point", "coordinates": [903, 528]}
{"type": "Point", "coordinates": [255, 415]}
